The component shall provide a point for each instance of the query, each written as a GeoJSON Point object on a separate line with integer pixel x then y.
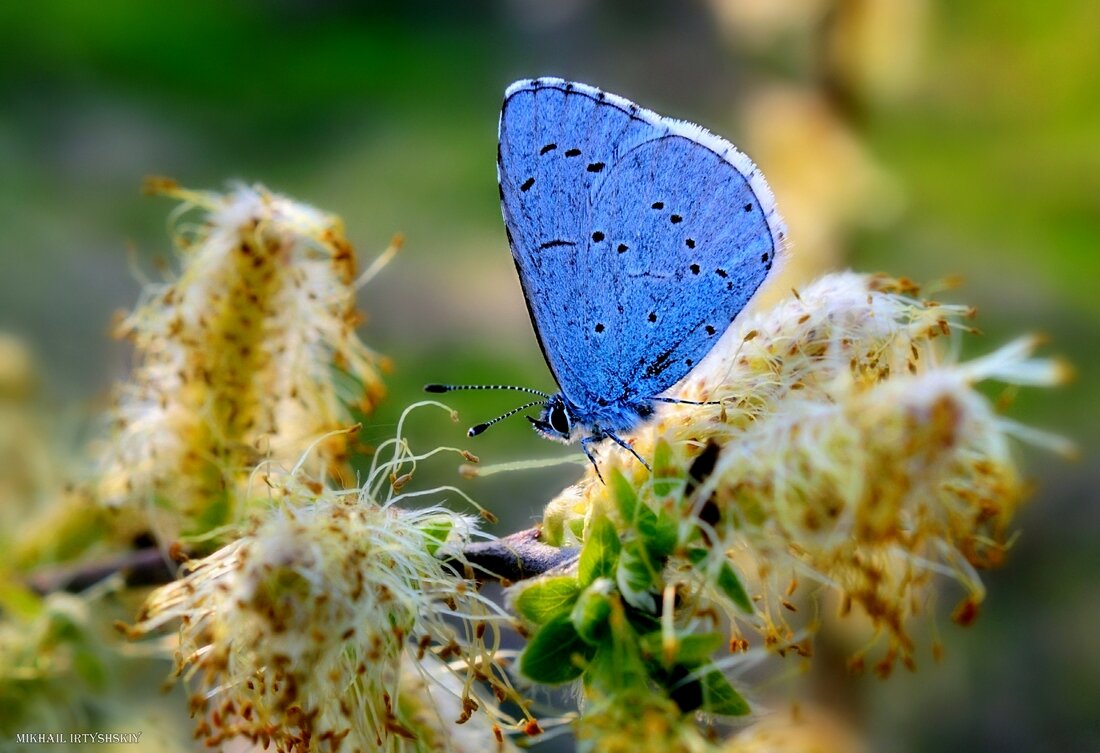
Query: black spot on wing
{"type": "Point", "coordinates": [547, 148]}
{"type": "Point", "coordinates": [527, 185]}
{"type": "Point", "coordinates": [555, 243]}
{"type": "Point", "coordinates": [596, 167]}
{"type": "Point", "coordinates": [659, 364]}
{"type": "Point", "coordinates": [574, 152]}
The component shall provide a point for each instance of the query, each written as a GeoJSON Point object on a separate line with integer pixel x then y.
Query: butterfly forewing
{"type": "Point", "coordinates": [556, 144]}
{"type": "Point", "coordinates": [636, 243]}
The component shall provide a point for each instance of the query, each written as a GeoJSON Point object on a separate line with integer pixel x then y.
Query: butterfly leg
{"type": "Point", "coordinates": [627, 447]}
{"type": "Point", "coordinates": [588, 454]}
{"type": "Point", "coordinates": [676, 401]}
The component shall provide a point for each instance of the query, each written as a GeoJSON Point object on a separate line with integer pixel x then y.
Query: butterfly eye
{"type": "Point", "coordinates": [559, 420]}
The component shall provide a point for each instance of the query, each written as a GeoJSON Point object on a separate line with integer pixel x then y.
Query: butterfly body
{"type": "Point", "coordinates": [637, 240]}
{"type": "Point", "coordinates": [563, 421]}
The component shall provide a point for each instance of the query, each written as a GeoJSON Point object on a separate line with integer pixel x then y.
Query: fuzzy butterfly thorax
{"type": "Point", "coordinates": [563, 422]}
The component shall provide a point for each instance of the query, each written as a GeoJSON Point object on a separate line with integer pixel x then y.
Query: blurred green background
{"type": "Point", "coordinates": [918, 138]}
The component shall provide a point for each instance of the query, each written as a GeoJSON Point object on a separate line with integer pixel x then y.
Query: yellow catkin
{"type": "Point", "coordinates": [249, 354]}
{"type": "Point", "coordinates": [853, 450]}
{"type": "Point", "coordinates": [332, 619]}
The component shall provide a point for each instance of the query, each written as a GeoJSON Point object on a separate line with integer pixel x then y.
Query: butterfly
{"type": "Point", "coordinates": [637, 239]}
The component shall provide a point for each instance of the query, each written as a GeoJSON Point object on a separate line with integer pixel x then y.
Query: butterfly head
{"type": "Point", "coordinates": [557, 421]}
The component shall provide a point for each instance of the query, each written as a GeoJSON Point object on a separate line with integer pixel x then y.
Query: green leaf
{"type": "Point", "coordinates": [436, 530]}
{"type": "Point", "coordinates": [727, 581]}
{"type": "Point", "coordinates": [691, 650]}
{"type": "Point", "coordinates": [730, 585]}
{"type": "Point", "coordinates": [642, 621]}
{"type": "Point", "coordinates": [635, 576]}
{"type": "Point", "coordinates": [657, 530]}
{"type": "Point", "coordinates": [592, 611]}
{"type": "Point", "coordinates": [576, 527]}
{"type": "Point", "coordinates": [660, 532]}
{"type": "Point", "coordinates": [618, 666]}
{"type": "Point", "coordinates": [548, 598]}
{"type": "Point", "coordinates": [600, 551]}
{"type": "Point", "coordinates": [699, 648]}
{"type": "Point", "coordinates": [666, 476]}
{"type": "Point", "coordinates": [719, 697]}
{"type": "Point", "coordinates": [556, 653]}
{"type": "Point", "coordinates": [626, 500]}
{"type": "Point", "coordinates": [616, 670]}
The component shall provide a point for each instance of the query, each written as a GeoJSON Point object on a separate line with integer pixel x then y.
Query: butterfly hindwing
{"type": "Point", "coordinates": [697, 249]}
{"type": "Point", "coordinates": [637, 238]}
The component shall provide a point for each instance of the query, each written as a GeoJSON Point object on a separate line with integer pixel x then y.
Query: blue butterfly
{"type": "Point", "coordinates": [637, 239]}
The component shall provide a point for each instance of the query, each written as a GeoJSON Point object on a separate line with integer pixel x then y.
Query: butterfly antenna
{"type": "Point", "coordinates": [455, 387]}
{"type": "Point", "coordinates": [475, 430]}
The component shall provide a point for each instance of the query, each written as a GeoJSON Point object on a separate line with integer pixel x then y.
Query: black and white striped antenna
{"type": "Point", "coordinates": [479, 428]}
{"type": "Point", "coordinates": [456, 387]}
